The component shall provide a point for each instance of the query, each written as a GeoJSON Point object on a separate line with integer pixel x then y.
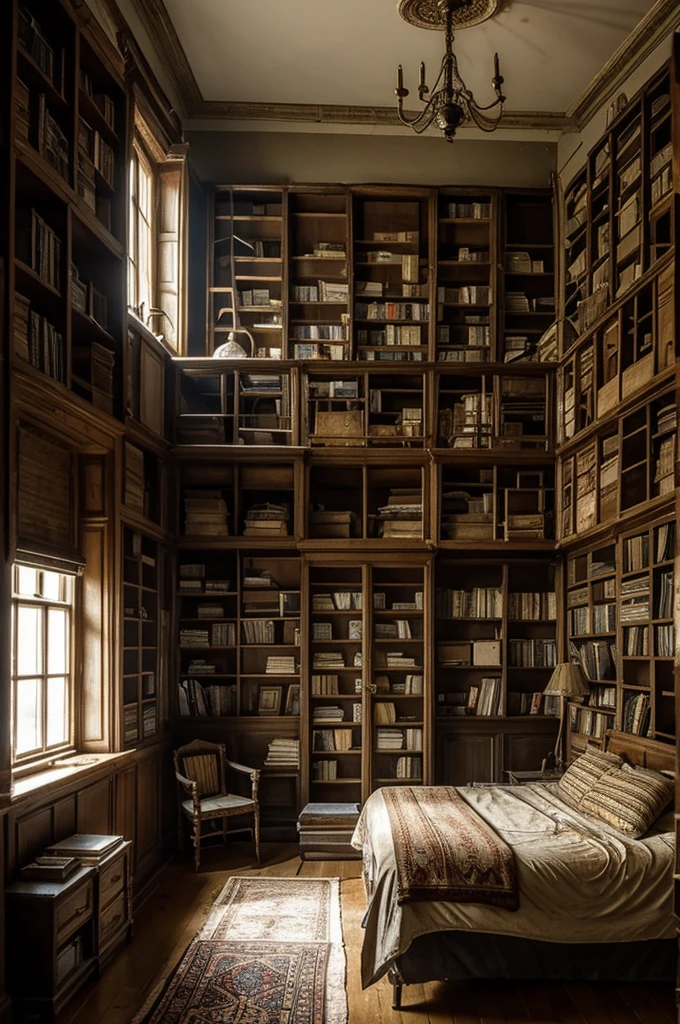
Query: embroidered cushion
{"type": "Point", "coordinates": [586, 770]}
{"type": "Point", "coordinates": [629, 799]}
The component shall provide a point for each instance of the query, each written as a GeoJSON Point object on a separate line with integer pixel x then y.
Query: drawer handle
{"type": "Point", "coordinates": [114, 921]}
{"type": "Point", "coordinates": [79, 911]}
{"type": "Point", "coordinates": [116, 878]}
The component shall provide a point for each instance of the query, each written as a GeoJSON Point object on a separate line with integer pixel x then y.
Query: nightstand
{"type": "Point", "coordinates": [111, 859]}
{"type": "Point", "coordinates": [525, 778]}
{"type": "Point", "coordinates": [51, 948]}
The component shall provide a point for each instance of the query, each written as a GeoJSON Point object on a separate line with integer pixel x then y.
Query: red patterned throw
{"type": "Point", "coordinates": [446, 851]}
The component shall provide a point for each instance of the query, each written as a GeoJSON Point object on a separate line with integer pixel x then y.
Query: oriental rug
{"type": "Point", "coordinates": [446, 851]}
{"type": "Point", "coordinates": [270, 952]}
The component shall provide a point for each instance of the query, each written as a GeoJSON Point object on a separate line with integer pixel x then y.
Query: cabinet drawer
{"type": "Point", "coordinates": [112, 919]}
{"type": "Point", "coordinates": [73, 912]}
{"type": "Point", "coordinates": [112, 880]}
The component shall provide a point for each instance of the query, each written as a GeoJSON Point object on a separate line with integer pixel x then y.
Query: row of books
{"type": "Point", "coordinates": [596, 657]}
{"type": "Point", "coordinates": [485, 699]}
{"type": "Point", "coordinates": [37, 340]}
{"type": "Point", "coordinates": [466, 295]}
{"type": "Point", "coordinates": [391, 335]}
{"type": "Point", "coordinates": [392, 311]}
{"type": "Point", "coordinates": [38, 246]}
{"type": "Point", "coordinates": [323, 291]}
{"type": "Point", "coordinates": [523, 605]}
{"type": "Point", "coordinates": [408, 738]}
{"type": "Point", "coordinates": [348, 738]}
{"type": "Point", "coordinates": [478, 603]}
{"type": "Point", "coordinates": [195, 699]}
{"type": "Point", "coordinates": [587, 722]}
{"type": "Point", "coordinates": [533, 653]}
{"type": "Point", "coordinates": [320, 332]}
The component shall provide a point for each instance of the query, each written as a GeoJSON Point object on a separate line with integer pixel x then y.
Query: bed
{"type": "Point", "coordinates": [593, 904]}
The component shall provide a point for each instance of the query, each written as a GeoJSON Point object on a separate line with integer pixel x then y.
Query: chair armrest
{"type": "Point", "coordinates": [253, 773]}
{"type": "Point", "coordinates": [244, 769]}
{"type": "Point", "coordinates": [189, 784]}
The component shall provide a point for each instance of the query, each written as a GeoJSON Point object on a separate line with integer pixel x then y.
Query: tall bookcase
{"type": "Point", "coordinates": [68, 206]}
{"type": "Point", "coordinates": [618, 422]}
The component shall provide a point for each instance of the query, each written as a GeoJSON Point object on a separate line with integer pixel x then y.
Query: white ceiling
{"type": "Point", "coordinates": [346, 51]}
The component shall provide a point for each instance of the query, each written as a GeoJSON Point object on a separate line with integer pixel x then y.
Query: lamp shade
{"type": "Point", "coordinates": [568, 680]}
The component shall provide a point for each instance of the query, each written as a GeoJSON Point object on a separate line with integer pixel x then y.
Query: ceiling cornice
{"type": "Point", "coordinates": [224, 110]}
{"type": "Point", "coordinates": [658, 22]}
{"type": "Point", "coordinates": [636, 47]}
{"type": "Point", "coordinates": [154, 16]}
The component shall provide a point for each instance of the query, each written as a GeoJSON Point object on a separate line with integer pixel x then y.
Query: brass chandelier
{"type": "Point", "coordinates": [451, 103]}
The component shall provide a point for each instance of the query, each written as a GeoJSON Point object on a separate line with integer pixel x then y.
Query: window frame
{"type": "Point", "coordinates": [169, 202]}
{"type": "Point", "coordinates": [37, 758]}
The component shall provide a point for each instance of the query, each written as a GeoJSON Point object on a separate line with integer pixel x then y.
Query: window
{"type": "Point", "coordinates": [42, 673]}
{"type": "Point", "coordinates": [156, 233]}
{"type": "Point", "coordinates": [140, 243]}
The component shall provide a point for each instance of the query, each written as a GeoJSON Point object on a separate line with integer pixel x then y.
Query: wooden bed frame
{"type": "Point", "coordinates": [639, 957]}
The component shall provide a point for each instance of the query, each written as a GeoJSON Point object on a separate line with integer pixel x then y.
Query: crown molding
{"type": "Point", "coordinates": [154, 16]}
{"type": "Point", "coordinates": [657, 23]}
{"type": "Point", "coordinates": [312, 113]}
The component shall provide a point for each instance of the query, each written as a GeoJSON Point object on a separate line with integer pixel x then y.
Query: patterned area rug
{"type": "Point", "coordinates": [271, 952]}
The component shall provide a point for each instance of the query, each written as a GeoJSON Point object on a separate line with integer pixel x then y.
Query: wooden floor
{"type": "Point", "coordinates": [179, 904]}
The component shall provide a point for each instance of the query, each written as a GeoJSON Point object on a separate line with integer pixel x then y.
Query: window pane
{"type": "Point", "coordinates": [29, 640]}
{"type": "Point", "coordinates": [57, 641]}
{"type": "Point", "coordinates": [26, 581]}
{"type": "Point", "coordinates": [51, 586]}
{"type": "Point", "coordinates": [28, 716]}
{"type": "Point", "coordinates": [57, 711]}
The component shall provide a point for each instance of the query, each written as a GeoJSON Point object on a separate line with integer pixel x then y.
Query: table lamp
{"type": "Point", "coordinates": [567, 680]}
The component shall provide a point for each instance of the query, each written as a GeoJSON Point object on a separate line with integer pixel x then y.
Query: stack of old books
{"type": "Point", "coordinates": [403, 514]}
{"type": "Point", "coordinates": [267, 520]}
{"type": "Point", "coordinates": [330, 524]}
{"type": "Point", "coordinates": [283, 753]}
{"type": "Point", "coordinates": [326, 830]}
{"type": "Point", "coordinates": [206, 513]}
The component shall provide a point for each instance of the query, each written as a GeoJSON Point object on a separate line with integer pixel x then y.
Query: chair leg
{"type": "Point", "coordinates": [197, 843]}
{"type": "Point", "coordinates": [257, 833]}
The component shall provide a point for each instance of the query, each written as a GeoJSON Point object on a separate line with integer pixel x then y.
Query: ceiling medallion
{"type": "Point", "coordinates": [432, 13]}
{"type": "Point", "coordinates": [449, 103]}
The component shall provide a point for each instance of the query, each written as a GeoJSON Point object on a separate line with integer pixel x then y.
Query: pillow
{"type": "Point", "coordinates": [629, 799]}
{"type": "Point", "coordinates": [584, 772]}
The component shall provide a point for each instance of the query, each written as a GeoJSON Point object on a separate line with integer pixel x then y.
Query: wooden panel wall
{"type": "Point", "coordinates": [120, 797]}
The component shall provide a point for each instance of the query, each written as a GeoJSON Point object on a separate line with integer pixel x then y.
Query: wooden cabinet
{"type": "Point", "coordinates": [111, 858]}
{"type": "Point", "coordinates": [52, 947]}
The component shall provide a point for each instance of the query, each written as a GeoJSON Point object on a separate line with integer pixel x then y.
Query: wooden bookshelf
{"type": "Point", "coordinates": [246, 264]}
{"type": "Point", "coordinates": [140, 628]}
{"type": "Point", "coordinates": [67, 283]}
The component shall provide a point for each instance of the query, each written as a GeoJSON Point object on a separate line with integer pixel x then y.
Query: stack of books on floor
{"type": "Point", "coordinates": [326, 830]}
{"type": "Point", "coordinates": [283, 753]}
{"type": "Point", "coordinates": [266, 520]}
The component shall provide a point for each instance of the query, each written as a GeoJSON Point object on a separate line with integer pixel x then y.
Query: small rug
{"type": "Point", "coordinates": [271, 952]}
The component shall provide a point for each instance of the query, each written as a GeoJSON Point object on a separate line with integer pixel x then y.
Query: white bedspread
{"type": "Point", "coordinates": [579, 880]}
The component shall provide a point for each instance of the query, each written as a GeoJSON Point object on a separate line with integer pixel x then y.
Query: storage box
{"type": "Point", "coordinates": [454, 653]}
{"type": "Point", "coordinates": [486, 652]}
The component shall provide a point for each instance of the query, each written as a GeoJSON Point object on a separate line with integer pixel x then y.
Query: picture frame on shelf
{"type": "Point", "coordinates": [269, 700]}
{"type": "Point", "coordinates": [293, 700]}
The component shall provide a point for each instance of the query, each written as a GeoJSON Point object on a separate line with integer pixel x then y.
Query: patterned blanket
{"type": "Point", "coordinates": [446, 851]}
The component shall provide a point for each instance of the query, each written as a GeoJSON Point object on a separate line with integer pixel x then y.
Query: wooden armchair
{"type": "Point", "coordinates": [200, 769]}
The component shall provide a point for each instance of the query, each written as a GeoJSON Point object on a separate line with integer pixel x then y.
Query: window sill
{"type": "Point", "coordinates": [64, 770]}
{"type": "Point", "coordinates": [158, 342]}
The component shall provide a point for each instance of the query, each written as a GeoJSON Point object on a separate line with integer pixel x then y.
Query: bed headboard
{"type": "Point", "coordinates": [642, 751]}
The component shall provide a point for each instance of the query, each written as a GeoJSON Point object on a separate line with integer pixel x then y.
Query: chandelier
{"type": "Point", "coordinates": [451, 103]}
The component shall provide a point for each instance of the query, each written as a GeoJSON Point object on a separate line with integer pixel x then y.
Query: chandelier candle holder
{"type": "Point", "coordinates": [450, 104]}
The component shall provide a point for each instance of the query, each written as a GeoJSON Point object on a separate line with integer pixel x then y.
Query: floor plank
{"type": "Point", "coordinates": [179, 905]}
